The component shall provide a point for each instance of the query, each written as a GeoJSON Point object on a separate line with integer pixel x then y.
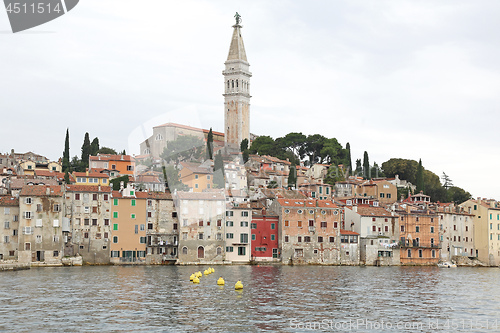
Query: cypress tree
{"type": "Point", "coordinates": [94, 147]}
{"type": "Point", "coordinates": [366, 166]}
{"type": "Point", "coordinates": [349, 161]}
{"type": "Point", "coordinates": [420, 177]}
{"type": "Point", "coordinates": [65, 161]}
{"type": "Point", "coordinates": [210, 145]}
{"type": "Point", "coordinates": [244, 149]}
{"type": "Point", "coordinates": [219, 171]}
{"type": "Point", "coordinates": [85, 152]}
{"type": "Point", "coordinates": [292, 177]}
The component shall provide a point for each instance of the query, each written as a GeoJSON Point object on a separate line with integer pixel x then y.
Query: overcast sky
{"type": "Point", "coordinates": [408, 79]}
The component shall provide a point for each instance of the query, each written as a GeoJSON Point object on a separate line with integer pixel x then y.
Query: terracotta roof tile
{"type": "Point", "coordinates": [6, 200]}
{"type": "Point", "coordinates": [40, 191]}
{"type": "Point", "coordinates": [88, 188]}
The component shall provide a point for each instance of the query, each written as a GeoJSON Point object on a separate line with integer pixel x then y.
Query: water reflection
{"type": "Point", "coordinates": [162, 299]}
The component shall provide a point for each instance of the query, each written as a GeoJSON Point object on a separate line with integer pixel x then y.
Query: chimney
{"type": "Point", "coordinates": [479, 200]}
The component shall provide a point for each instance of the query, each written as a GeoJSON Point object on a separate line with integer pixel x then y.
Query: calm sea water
{"type": "Point", "coordinates": [274, 298]}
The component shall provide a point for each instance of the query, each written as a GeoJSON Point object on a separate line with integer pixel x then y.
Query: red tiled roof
{"type": "Point", "coordinates": [373, 211]}
{"type": "Point", "coordinates": [40, 191]}
{"type": "Point", "coordinates": [88, 188]}
{"type": "Point", "coordinates": [306, 203]}
{"type": "Point", "coordinates": [347, 232]}
{"type": "Point", "coordinates": [160, 195]}
{"type": "Point", "coordinates": [106, 157]}
{"type": "Point", "coordinates": [90, 175]}
{"type": "Point", "coordinates": [6, 200]}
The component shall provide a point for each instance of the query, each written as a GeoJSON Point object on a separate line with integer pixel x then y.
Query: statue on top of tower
{"type": "Point", "coordinates": [238, 18]}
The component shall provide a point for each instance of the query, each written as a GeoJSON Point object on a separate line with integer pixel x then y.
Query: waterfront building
{"type": "Point", "coordinates": [349, 247]}
{"type": "Point", "coordinates": [456, 229]}
{"type": "Point", "coordinates": [265, 235]}
{"type": "Point", "coordinates": [378, 230]}
{"type": "Point", "coordinates": [128, 221]}
{"type": "Point", "coordinates": [419, 234]}
{"type": "Point", "coordinates": [238, 217]}
{"type": "Point", "coordinates": [9, 227]}
{"type": "Point", "coordinates": [486, 229]}
{"type": "Point", "coordinates": [202, 229]}
{"type": "Point", "coordinates": [162, 229]}
{"type": "Point", "coordinates": [236, 91]}
{"type": "Point", "coordinates": [308, 230]}
{"type": "Point", "coordinates": [88, 210]}
{"type": "Point", "coordinates": [42, 231]}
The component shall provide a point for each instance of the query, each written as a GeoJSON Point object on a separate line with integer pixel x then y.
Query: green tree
{"type": "Point", "coordinates": [420, 177]}
{"type": "Point", "coordinates": [264, 145]}
{"type": "Point", "coordinates": [210, 145]}
{"type": "Point", "coordinates": [107, 150]}
{"type": "Point", "coordinates": [219, 179]}
{"type": "Point", "coordinates": [406, 169]}
{"type": "Point", "coordinates": [366, 166]}
{"type": "Point", "coordinates": [66, 167]}
{"type": "Point", "coordinates": [447, 182]}
{"type": "Point", "coordinates": [312, 148]}
{"type": "Point", "coordinates": [332, 152]}
{"type": "Point", "coordinates": [115, 183]}
{"type": "Point", "coordinates": [244, 150]}
{"type": "Point", "coordinates": [292, 177]}
{"type": "Point", "coordinates": [123, 152]}
{"type": "Point", "coordinates": [458, 195]}
{"type": "Point", "coordinates": [272, 184]}
{"type": "Point", "coordinates": [375, 171]}
{"type": "Point", "coordinates": [85, 153]}
{"type": "Point", "coordinates": [75, 164]}
{"type": "Point", "coordinates": [184, 148]}
{"type": "Point", "coordinates": [293, 142]}
{"type": "Point", "coordinates": [359, 168]}
{"type": "Point", "coordinates": [348, 157]}
{"type": "Point", "coordinates": [94, 147]}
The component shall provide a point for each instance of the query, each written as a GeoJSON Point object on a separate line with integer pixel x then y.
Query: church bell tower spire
{"type": "Point", "coordinates": [236, 91]}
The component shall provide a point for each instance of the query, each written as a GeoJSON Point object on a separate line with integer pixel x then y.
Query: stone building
{"type": "Point", "coordinates": [236, 91]}
{"type": "Point", "coordinates": [162, 229]}
{"type": "Point", "coordinates": [88, 209]}
{"type": "Point", "coordinates": [308, 231]}
{"type": "Point", "coordinates": [201, 216]}
{"type": "Point", "coordinates": [9, 227]}
{"type": "Point", "coordinates": [378, 231]}
{"type": "Point", "coordinates": [41, 228]}
{"type": "Point", "coordinates": [238, 236]}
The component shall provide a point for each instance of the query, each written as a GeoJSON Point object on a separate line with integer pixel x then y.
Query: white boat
{"type": "Point", "coordinates": [446, 265]}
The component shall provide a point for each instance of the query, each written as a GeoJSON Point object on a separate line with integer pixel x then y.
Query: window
{"type": "Point", "coordinates": [229, 213]}
{"type": "Point", "coordinates": [200, 235]}
{"type": "Point", "coordinates": [381, 195]}
{"type": "Point", "coordinates": [323, 225]}
{"type": "Point", "coordinates": [200, 223]}
{"type": "Point", "coordinates": [94, 209]}
{"type": "Point", "coordinates": [229, 223]}
{"type": "Point", "coordinates": [253, 225]}
{"type": "Point", "coordinates": [94, 221]}
{"type": "Point", "coordinates": [115, 239]}
{"type": "Point", "coordinates": [142, 240]}
{"type": "Point", "coordinates": [386, 228]}
{"type": "Point", "coordinates": [229, 249]}
{"type": "Point", "coordinates": [136, 229]}
{"type": "Point", "coordinates": [174, 226]}
{"type": "Point", "coordinates": [131, 192]}
{"type": "Point", "coordinates": [374, 228]}
{"type": "Point", "coordinates": [150, 226]}
{"type": "Point", "coordinates": [273, 237]}
{"type": "Point", "coordinates": [307, 239]}
{"type": "Point", "coordinates": [106, 196]}
{"type": "Point", "coordinates": [94, 196]}
{"type": "Point", "coordinates": [39, 207]}
{"type": "Point", "coordinates": [106, 221]}
{"type": "Point", "coordinates": [77, 196]}
{"type": "Point", "coordinates": [331, 239]}
{"type": "Point", "coordinates": [115, 226]}
{"type": "Point", "coordinates": [133, 202]}
{"type": "Point", "coordinates": [241, 250]}
{"type": "Point", "coordinates": [244, 224]}
{"type": "Point", "coordinates": [28, 201]}
{"type": "Point", "coordinates": [130, 168]}
{"type": "Point", "coordinates": [402, 228]}
{"type": "Point", "coordinates": [420, 253]}
{"type": "Point", "coordinates": [244, 214]}
{"type": "Point", "coordinates": [417, 228]}
{"type": "Point", "coordinates": [299, 224]}
{"type": "Point", "coordinates": [115, 215]}
{"type": "Point", "coordinates": [287, 223]}
{"type": "Point", "coordinates": [299, 239]}
{"type": "Point", "coordinates": [299, 211]}
{"type": "Point", "coordinates": [196, 177]}
{"type": "Point", "coordinates": [273, 226]}
{"type": "Point", "coordinates": [409, 253]}
{"type": "Point", "coordinates": [432, 230]}
{"type": "Point", "coordinates": [320, 239]}
{"type": "Point", "coordinates": [335, 225]}
{"type": "Point", "coordinates": [106, 235]}
{"type": "Point", "coordinates": [275, 253]}
{"type": "Point", "coordinates": [5, 239]}
{"type": "Point", "coordinates": [85, 235]}
{"type": "Point", "coordinates": [115, 202]}
{"type": "Point", "coordinates": [433, 253]}
{"type": "Point", "coordinates": [286, 239]}
{"type": "Point", "coordinates": [27, 215]}
{"type": "Point", "coordinates": [6, 225]}
{"type": "Point", "coordinates": [243, 238]}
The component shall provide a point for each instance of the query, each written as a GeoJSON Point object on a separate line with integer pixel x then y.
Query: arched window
{"type": "Point", "coordinates": [227, 84]}
{"type": "Point", "coordinates": [219, 250]}
{"type": "Point", "coordinates": [232, 84]}
{"type": "Point", "coordinates": [236, 83]}
{"type": "Point", "coordinates": [201, 252]}
{"type": "Point", "coordinates": [184, 250]}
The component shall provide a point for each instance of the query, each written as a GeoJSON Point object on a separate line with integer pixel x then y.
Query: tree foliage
{"type": "Point", "coordinates": [94, 147]}
{"type": "Point", "coordinates": [292, 177]}
{"type": "Point", "coordinates": [218, 178]}
{"type": "Point", "coordinates": [210, 145]}
{"type": "Point", "coordinates": [366, 166]}
{"type": "Point", "coordinates": [107, 150]}
{"type": "Point", "coordinates": [115, 183]}
{"type": "Point", "coordinates": [348, 160]}
{"type": "Point", "coordinates": [85, 153]}
{"type": "Point", "coordinates": [183, 149]}
{"type": "Point", "coordinates": [65, 160]}
{"type": "Point", "coordinates": [420, 177]}
{"type": "Point", "coordinates": [172, 180]}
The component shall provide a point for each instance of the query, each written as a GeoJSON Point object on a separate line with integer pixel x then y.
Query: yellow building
{"type": "Point", "coordinates": [128, 226]}
{"type": "Point", "coordinates": [91, 178]}
{"type": "Point", "coordinates": [486, 229]}
{"type": "Point", "coordinates": [29, 167]}
{"type": "Point", "coordinates": [196, 176]}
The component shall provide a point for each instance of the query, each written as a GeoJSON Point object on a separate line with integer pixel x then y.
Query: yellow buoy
{"type": "Point", "coordinates": [238, 285]}
{"type": "Point", "coordinates": [213, 270]}
{"type": "Point", "coordinates": [198, 274]}
{"type": "Point", "coordinates": [220, 281]}
{"type": "Point", "coordinates": [206, 272]}
{"type": "Point", "coordinates": [191, 277]}
{"type": "Point", "coordinates": [196, 280]}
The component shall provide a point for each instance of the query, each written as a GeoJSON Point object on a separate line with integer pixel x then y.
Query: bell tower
{"type": "Point", "coordinates": [236, 91]}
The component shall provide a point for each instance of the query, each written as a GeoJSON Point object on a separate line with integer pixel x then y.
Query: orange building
{"type": "Point", "coordinates": [196, 177]}
{"type": "Point", "coordinates": [128, 226]}
{"type": "Point", "coordinates": [419, 232]}
{"type": "Point", "coordinates": [124, 164]}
